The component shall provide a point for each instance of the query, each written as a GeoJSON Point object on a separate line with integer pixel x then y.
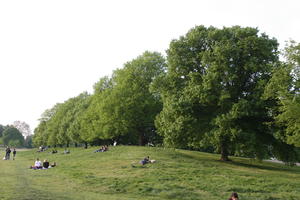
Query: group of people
{"type": "Point", "coordinates": [45, 165]}
{"type": "Point", "coordinates": [102, 149]}
{"type": "Point", "coordinates": [42, 165]}
{"type": "Point", "coordinates": [8, 152]}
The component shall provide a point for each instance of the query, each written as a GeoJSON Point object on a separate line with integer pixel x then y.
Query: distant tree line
{"type": "Point", "coordinates": [220, 90]}
{"type": "Point", "coordinates": [16, 135]}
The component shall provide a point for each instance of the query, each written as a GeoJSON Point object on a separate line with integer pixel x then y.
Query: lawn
{"type": "Point", "coordinates": [117, 175]}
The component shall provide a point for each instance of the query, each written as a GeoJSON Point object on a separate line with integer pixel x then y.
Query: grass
{"type": "Point", "coordinates": [117, 175]}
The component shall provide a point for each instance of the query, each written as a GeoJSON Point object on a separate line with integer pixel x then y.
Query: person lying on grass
{"type": "Point", "coordinates": [143, 162]}
{"type": "Point", "coordinates": [102, 149]}
{"type": "Point", "coordinates": [147, 160]}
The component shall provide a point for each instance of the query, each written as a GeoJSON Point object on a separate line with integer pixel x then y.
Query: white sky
{"type": "Point", "coordinates": [53, 50]}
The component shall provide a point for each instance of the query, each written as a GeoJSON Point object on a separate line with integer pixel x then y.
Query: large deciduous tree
{"type": "Point", "coordinates": [13, 137]}
{"type": "Point", "coordinates": [213, 88]}
{"type": "Point", "coordinates": [128, 108]}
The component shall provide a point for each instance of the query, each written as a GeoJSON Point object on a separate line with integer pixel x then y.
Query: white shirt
{"type": "Point", "coordinates": [38, 163]}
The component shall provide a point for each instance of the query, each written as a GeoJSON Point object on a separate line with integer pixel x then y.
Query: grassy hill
{"type": "Point", "coordinates": [116, 175]}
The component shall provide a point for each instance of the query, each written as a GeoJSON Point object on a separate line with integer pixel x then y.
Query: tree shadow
{"type": "Point", "coordinates": [264, 166]}
{"type": "Point", "coordinates": [234, 162]}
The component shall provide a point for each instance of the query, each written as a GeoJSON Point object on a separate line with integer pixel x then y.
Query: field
{"type": "Point", "coordinates": [117, 175]}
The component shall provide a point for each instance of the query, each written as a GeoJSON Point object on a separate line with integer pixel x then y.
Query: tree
{"type": "Point", "coordinates": [60, 125]}
{"type": "Point", "coordinates": [23, 127]}
{"type": "Point", "coordinates": [79, 107]}
{"type": "Point", "coordinates": [43, 135]}
{"type": "Point", "coordinates": [284, 91]}
{"type": "Point", "coordinates": [212, 92]}
{"type": "Point", "coordinates": [2, 128]}
{"type": "Point", "coordinates": [127, 107]}
{"type": "Point", "coordinates": [13, 137]}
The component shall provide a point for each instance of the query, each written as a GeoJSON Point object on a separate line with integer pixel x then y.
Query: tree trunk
{"type": "Point", "coordinates": [76, 145]}
{"type": "Point", "coordinates": [141, 139]}
{"type": "Point", "coordinates": [224, 150]}
{"type": "Point", "coordinates": [85, 145]}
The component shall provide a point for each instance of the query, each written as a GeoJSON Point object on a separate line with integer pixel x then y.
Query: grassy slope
{"type": "Point", "coordinates": [116, 174]}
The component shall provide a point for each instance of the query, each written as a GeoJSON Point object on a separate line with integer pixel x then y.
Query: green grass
{"type": "Point", "coordinates": [116, 175]}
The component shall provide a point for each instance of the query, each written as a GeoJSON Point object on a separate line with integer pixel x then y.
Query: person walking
{"type": "Point", "coordinates": [7, 155]}
{"type": "Point", "coordinates": [14, 153]}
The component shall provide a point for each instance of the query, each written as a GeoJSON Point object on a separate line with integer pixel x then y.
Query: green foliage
{"type": "Point", "coordinates": [12, 137]}
{"type": "Point", "coordinates": [212, 91]}
{"type": "Point", "coordinates": [59, 125]}
{"type": "Point", "coordinates": [222, 90]}
{"type": "Point", "coordinates": [289, 111]}
{"type": "Point", "coordinates": [123, 105]}
{"type": "Point", "coordinates": [1, 130]}
{"type": "Point", "coordinates": [42, 134]}
{"type": "Point", "coordinates": [283, 91]}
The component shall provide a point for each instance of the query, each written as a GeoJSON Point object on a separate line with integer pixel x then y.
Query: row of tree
{"type": "Point", "coordinates": [16, 135]}
{"type": "Point", "coordinates": [223, 90]}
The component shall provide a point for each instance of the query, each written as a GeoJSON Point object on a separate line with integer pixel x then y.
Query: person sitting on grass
{"type": "Point", "coordinates": [37, 164]}
{"type": "Point", "coordinates": [234, 196]}
{"type": "Point", "coordinates": [45, 164]}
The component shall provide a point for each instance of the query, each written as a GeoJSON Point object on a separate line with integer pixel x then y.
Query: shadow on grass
{"type": "Point", "coordinates": [262, 166]}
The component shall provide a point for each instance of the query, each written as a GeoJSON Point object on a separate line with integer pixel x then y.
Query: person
{"type": "Point", "coordinates": [234, 196]}
{"type": "Point", "coordinates": [8, 151]}
{"type": "Point", "coordinates": [145, 160]}
{"type": "Point", "coordinates": [14, 153]}
{"type": "Point", "coordinates": [37, 164]}
{"type": "Point", "coordinates": [45, 164]}
{"type": "Point", "coordinates": [105, 148]}
{"type": "Point", "coordinates": [102, 149]}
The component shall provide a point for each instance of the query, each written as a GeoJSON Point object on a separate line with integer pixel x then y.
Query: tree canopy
{"type": "Point", "coordinates": [13, 137]}
{"type": "Point", "coordinates": [222, 89]}
{"type": "Point", "coordinates": [212, 91]}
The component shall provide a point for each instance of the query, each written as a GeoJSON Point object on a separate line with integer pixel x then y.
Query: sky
{"type": "Point", "coordinates": [53, 50]}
